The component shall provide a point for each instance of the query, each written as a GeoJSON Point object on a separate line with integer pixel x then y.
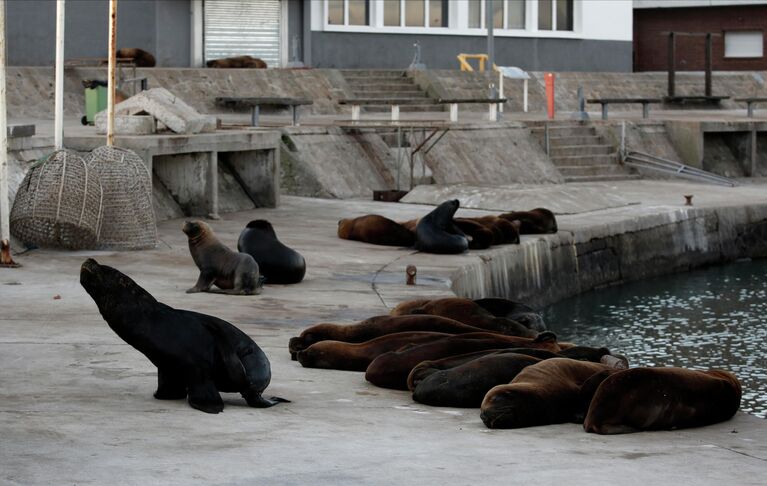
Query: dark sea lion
{"type": "Point", "coordinates": [533, 222]}
{"type": "Point", "coordinates": [548, 392]}
{"type": "Point", "coordinates": [139, 57]}
{"type": "Point", "coordinates": [391, 369]}
{"type": "Point", "coordinates": [197, 356]}
{"type": "Point", "coordinates": [662, 399]}
{"type": "Point", "coordinates": [480, 236]}
{"type": "Point", "coordinates": [337, 355]}
{"type": "Point", "coordinates": [239, 62]}
{"type": "Point", "coordinates": [437, 233]}
{"type": "Point", "coordinates": [470, 313]}
{"type": "Point", "coordinates": [234, 273]}
{"type": "Point", "coordinates": [405, 308]}
{"type": "Point", "coordinates": [375, 327]}
{"type": "Point", "coordinates": [516, 311]}
{"type": "Point", "coordinates": [505, 231]}
{"type": "Point", "coordinates": [375, 229]}
{"type": "Point", "coordinates": [277, 263]}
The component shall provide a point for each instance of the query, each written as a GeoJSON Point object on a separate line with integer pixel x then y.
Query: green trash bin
{"type": "Point", "coordinates": [95, 100]}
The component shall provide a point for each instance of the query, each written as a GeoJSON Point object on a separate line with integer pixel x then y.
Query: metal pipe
{"type": "Point", "coordinates": [671, 65]}
{"type": "Point", "coordinates": [111, 78]}
{"type": "Point", "coordinates": [708, 64]}
{"type": "Point", "coordinates": [58, 117]}
{"type": "Point", "coordinates": [490, 40]}
{"type": "Point", "coordinates": [5, 227]}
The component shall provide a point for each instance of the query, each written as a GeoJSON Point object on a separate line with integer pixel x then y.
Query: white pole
{"type": "Point", "coordinates": [525, 97]}
{"type": "Point", "coordinates": [500, 88]}
{"type": "Point", "coordinates": [5, 227]}
{"type": "Point", "coordinates": [58, 119]}
{"type": "Point", "coordinates": [111, 79]}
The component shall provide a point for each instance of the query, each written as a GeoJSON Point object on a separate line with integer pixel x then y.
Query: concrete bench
{"type": "Point", "coordinates": [750, 102]}
{"type": "Point", "coordinates": [357, 103]}
{"type": "Point", "coordinates": [492, 105]}
{"type": "Point", "coordinates": [255, 103]}
{"type": "Point", "coordinates": [645, 102]}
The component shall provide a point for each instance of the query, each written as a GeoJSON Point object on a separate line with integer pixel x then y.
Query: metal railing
{"type": "Point", "coordinates": [646, 161]}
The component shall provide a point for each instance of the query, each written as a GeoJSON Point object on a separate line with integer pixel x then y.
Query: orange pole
{"type": "Point", "coordinates": [549, 77]}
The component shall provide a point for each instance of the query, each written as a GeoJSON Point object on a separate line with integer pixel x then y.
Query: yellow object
{"type": "Point", "coordinates": [463, 60]}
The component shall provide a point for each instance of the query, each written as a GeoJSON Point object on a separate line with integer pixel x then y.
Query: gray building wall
{"type": "Point", "coordinates": [395, 51]}
{"type": "Point", "coordinates": [161, 27]}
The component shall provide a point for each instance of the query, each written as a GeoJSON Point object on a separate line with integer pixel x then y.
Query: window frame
{"type": "Point", "coordinates": [504, 15]}
{"type": "Point", "coordinates": [554, 19]}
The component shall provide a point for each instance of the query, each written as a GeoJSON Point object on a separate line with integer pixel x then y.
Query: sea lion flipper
{"type": "Point", "coordinates": [204, 283]}
{"type": "Point", "coordinates": [204, 396]}
{"type": "Point", "coordinates": [170, 386]}
{"type": "Point", "coordinates": [256, 400]}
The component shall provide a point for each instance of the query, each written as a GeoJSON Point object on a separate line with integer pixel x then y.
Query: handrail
{"type": "Point", "coordinates": [653, 162]}
{"type": "Point", "coordinates": [463, 61]}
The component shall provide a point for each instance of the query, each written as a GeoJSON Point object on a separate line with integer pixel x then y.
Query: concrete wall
{"type": "Point", "coordinates": [161, 27]}
{"type": "Point", "coordinates": [395, 51]}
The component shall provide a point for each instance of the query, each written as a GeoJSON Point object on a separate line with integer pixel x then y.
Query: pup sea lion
{"type": "Point", "coordinates": [548, 392]}
{"type": "Point", "coordinates": [139, 57]}
{"type": "Point", "coordinates": [391, 369]}
{"type": "Point", "coordinates": [337, 355]}
{"type": "Point", "coordinates": [197, 356]}
{"type": "Point", "coordinates": [375, 327]}
{"type": "Point", "coordinates": [233, 273]}
{"type": "Point", "coordinates": [480, 236]}
{"type": "Point", "coordinates": [237, 62]}
{"type": "Point", "coordinates": [277, 263]}
{"type": "Point", "coordinates": [437, 233]}
{"type": "Point", "coordinates": [468, 312]}
{"type": "Point", "coordinates": [516, 311]}
{"type": "Point", "coordinates": [375, 229]}
{"type": "Point", "coordinates": [662, 399]}
{"type": "Point", "coordinates": [533, 222]}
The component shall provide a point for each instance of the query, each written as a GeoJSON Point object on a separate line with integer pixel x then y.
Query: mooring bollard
{"type": "Point", "coordinates": [410, 273]}
{"type": "Point", "coordinates": [688, 200]}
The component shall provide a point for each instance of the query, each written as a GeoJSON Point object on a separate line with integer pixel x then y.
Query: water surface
{"type": "Point", "coordinates": [712, 318]}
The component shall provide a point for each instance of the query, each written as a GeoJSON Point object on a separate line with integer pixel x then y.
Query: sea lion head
{"type": "Point", "coordinates": [345, 228]}
{"type": "Point", "coordinates": [109, 287]}
{"type": "Point", "coordinates": [508, 407]}
{"type": "Point", "coordinates": [195, 230]}
{"type": "Point", "coordinates": [313, 357]}
{"type": "Point", "coordinates": [263, 225]}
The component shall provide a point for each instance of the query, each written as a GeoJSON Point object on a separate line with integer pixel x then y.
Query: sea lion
{"type": "Point", "coordinates": [548, 392]}
{"type": "Point", "coordinates": [234, 273]}
{"type": "Point", "coordinates": [375, 229]}
{"type": "Point", "coordinates": [375, 327]}
{"type": "Point", "coordinates": [504, 231]}
{"type": "Point", "coordinates": [410, 225]}
{"type": "Point", "coordinates": [139, 57]}
{"type": "Point", "coordinates": [197, 356]}
{"type": "Point", "coordinates": [391, 369]}
{"type": "Point", "coordinates": [662, 399]}
{"type": "Point", "coordinates": [238, 62]}
{"type": "Point", "coordinates": [468, 312]}
{"type": "Point", "coordinates": [516, 311]}
{"type": "Point", "coordinates": [337, 355]}
{"type": "Point", "coordinates": [480, 237]}
{"type": "Point", "coordinates": [437, 233]}
{"type": "Point", "coordinates": [405, 308]}
{"type": "Point", "coordinates": [533, 222]}
{"type": "Point", "coordinates": [277, 263]}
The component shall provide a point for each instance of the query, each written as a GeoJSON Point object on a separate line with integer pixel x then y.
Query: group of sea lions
{"type": "Point", "coordinates": [475, 353]}
{"type": "Point", "coordinates": [440, 232]}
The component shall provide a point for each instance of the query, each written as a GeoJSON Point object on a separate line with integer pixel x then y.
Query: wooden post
{"type": "Point", "coordinates": [58, 118]}
{"type": "Point", "coordinates": [671, 64]}
{"type": "Point", "coordinates": [111, 78]}
{"type": "Point", "coordinates": [708, 64]}
{"type": "Point", "coordinates": [5, 232]}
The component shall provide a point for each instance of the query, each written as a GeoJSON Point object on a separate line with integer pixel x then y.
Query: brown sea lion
{"type": "Point", "coordinates": [533, 222]}
{"type": "Point", "coordinates": [391, 369]}
{"type": "Point", "coordinates": [375, 327]}
{"type": "Point", "coordinates": [468, 312]}
{"type": "Point", "coordinates": [410, 224]}
{"type": "Point", "coordinates": [139, 57]}
{"type": "Point", "coordinates": [232, 272]}
{"type": "Point", "coordinates": [405, 308]}
{"type": "Point", "coordinates": [375, 229]}
{"type": "Point", "coordinates": [237, 62]}
{"type": "Point", "coordinates": [504, 231]}
{"type": "Point", "coordinates": [337, 355]}
{"type": "Point", "coordinates": [480, 236]}
{"type": "Point", "coordinates": [516, 311]}
{"type": "Point", "coordinates": [548, 392]}
{"type": "Point", "coordinates": [662, 399]}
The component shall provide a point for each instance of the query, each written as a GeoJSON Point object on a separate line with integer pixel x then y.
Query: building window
{"type": "Point", "coordinates": [348, 12]}
{"type": "Point", "coordinates": [415, 13]}
{"type": "Point", "coordinates": [555, 15]}
{"type": "Point", "coordinates": [740, 44]}
{"type": "Point", "coordinates": [392, 13]}
{"type": "Point", "coordinates": [437, 13]}
{"type": "Point", "coordinates": [507, 14]}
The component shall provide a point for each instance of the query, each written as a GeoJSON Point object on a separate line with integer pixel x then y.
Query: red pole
{"type": "Point", "coordinates": [549, 77]}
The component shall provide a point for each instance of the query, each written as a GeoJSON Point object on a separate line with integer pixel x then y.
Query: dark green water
{"type": "Point", "coordinates": [712, 318]}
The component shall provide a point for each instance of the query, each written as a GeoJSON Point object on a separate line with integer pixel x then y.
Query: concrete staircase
{"type": "Point", "coordinates": [580, 154]}
{"type": "Point", "coordinates": [387, 84]}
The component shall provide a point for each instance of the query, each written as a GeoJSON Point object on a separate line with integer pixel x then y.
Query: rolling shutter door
{"type": "Point", "coordinates": [242, 27]}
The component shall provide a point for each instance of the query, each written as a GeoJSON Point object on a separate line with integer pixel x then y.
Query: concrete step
{"type": "Point", "coordinates": [565, 130]}
{"type": "Point", "coordinates": [584, 160]}
{"type": "Point", "coordinates": [406, 102]}
{"type": "Point", "coordinates": [569, 141]}
{"type": "Point", "coordinates": [592, 170]}
{"type": "Point", "coordinates": [574, 150]}
{"type": "Point", "coordinates": [386, 88]}
{"type": "Point", "coordinates": [602, 178]}
{"type": "Point", "coordinates": [403, 108]}
{"type": "Point", "coordinates": [378, 73]}
{"type": "Point", "coordinates": [390, 94]}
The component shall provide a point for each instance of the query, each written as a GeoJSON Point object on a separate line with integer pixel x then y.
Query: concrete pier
{"type": "Point", "coordinates": [76, 403]}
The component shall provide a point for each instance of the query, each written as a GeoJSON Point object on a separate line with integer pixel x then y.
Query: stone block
{"type": "Point", "coordinates": [18, 131]}
{"type": "Point", "coordinates": [127, 124]}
